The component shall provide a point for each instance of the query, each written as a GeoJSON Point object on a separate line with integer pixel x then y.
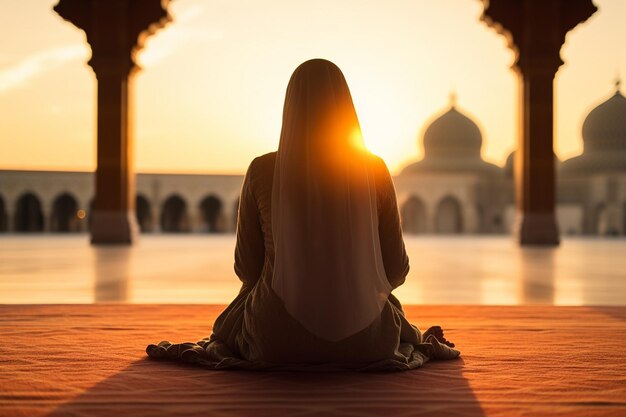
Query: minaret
{"type": "Point", "coordinates": [452, 97]}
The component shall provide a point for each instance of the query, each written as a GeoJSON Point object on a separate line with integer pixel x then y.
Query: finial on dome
{"type": "Point", "coordinates": [618, 83]}
{"type": "Point", "coordinates": [452, 98]}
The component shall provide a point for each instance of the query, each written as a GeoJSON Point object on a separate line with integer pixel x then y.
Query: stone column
{"type": "Point", "coordinates": [430, 215]}
{"type": "Point", "coordinates": [156, 216]}
{"type": "Point", "coordinates": [155, 206]}
{"type": "Point", "coordinates": [46, 211]}
{"type": "Point", "coordinates": [116, 30]}
{"type": "Point", "coordinates": [469, 215]}
{"type": "Point", "coordinates": [9, 211]}
{"type": "Point", "coordinates": [535, 30]}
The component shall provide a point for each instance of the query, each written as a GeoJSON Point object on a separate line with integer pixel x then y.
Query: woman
{"type": "Point", "coordinates": [319, 250]}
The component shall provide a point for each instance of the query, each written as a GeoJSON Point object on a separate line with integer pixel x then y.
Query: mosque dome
{"type": "Point", "coordinates": [452, 134]}
{"type": "Point", "coordinates": [604, 128]}
{"type": "Point", "coordinates": [452, 143]}
{"type": "Point", "coordinates": [604, 138]}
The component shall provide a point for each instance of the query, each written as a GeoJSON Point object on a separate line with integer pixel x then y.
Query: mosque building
{"type": "Point", "coordinates": [452, 190]}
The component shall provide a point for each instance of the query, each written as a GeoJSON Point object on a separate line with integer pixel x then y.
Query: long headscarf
{"type": "Point", "coordinates": [328, 267]}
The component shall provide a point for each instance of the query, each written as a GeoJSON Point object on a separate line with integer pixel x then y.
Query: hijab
{"type": "Point", "coordinates": [328, 267]}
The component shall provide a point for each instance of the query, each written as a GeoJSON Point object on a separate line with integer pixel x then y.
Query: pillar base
{"type": "Point", "coordinates": [536, 229]}
{"type": "Point", "coordinates": [113, 228]}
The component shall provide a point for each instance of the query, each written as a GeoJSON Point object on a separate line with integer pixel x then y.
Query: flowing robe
{"type": "Point", "coordinates": [256, 332]}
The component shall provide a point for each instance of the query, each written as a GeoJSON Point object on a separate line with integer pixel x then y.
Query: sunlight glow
{"type": "Point", "coordinates": [211, 93]}
{"type": "Point", "coordinates": [356, 139]}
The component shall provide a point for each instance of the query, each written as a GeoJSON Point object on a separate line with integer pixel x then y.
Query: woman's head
{"type": "Point", "coordinates": [319, 109]}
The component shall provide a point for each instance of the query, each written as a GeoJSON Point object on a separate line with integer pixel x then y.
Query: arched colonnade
{"type": "Point", "coordinates": [174, 214]}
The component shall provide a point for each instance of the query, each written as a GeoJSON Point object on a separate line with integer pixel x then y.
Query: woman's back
{"type": "Point", "coordinates": [256, 201]}
{"type": "Point", "coordinates": [277, 336]}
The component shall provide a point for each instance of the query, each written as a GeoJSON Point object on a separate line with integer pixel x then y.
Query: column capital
{"type": "Point", "coordinates": [116, 29]}
{"type": "Point", "coordinates": [535, 29]}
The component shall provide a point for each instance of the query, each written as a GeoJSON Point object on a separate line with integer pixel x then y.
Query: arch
{"type": "Point", "coordinates": [174, 218]}
{"type": "Point", "coordinates": [210, 213]}
{"type": "Point", "coordinates": [413, 215]}
{"type": "Point", "coordinates": [498, 223]}
{"type": "Point", "coordinates": [64, 217]}
{"type": "Point", "coordinates": [3, 216]}
{"type": "Point", "coordinates": [599, 224]}
{"type": "Point", "coordinates": [143, 213]}
{"type": "Point", "coordinates": [448, 218]}
{"type": "Point", "coordinates": [28, 214]}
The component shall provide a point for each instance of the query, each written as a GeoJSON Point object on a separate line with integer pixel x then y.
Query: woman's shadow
{"type": "Point", "coordinates": [149, 388]}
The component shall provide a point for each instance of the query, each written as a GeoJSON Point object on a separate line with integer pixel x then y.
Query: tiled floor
{"type": "Point", "coordinates": [198, 269]}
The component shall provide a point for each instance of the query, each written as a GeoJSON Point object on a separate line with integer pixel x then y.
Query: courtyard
{"type": "Point", "coordinates": [198, 269]}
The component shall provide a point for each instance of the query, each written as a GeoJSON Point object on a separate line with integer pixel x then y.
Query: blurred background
{"type": "Point", "coordinates": [437, 100]}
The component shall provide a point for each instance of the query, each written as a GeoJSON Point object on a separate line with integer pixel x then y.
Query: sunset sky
{"type": "Point", "coordinates": [211, 91]}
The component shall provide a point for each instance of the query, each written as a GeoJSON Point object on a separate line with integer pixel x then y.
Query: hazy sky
{"type": "Point", "coordinates": [210, 96]}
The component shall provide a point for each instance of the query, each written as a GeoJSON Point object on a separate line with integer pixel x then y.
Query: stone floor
{"type": "Point", "coordinates": [48, 269]}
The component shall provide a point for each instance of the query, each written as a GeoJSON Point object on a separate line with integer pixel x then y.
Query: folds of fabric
{"type": "Point", "coordinates": [328, 268]}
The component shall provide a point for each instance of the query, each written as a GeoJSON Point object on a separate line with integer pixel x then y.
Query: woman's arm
{"type": "Point", "coordinates": [392, 247]}
{"type": "Point", "coordinates": [250, 248]}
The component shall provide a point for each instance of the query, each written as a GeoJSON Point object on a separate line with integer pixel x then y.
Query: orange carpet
{"type": "Point", "coordinates": [88, 360]}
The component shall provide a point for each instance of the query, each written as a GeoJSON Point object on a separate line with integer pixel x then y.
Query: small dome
{"type": "Point", "coordinates": [604, 128]}
{"type": "Point", "coordinates": [452, 134]}
{"type": "Point", "coordinates": [604, 139]}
